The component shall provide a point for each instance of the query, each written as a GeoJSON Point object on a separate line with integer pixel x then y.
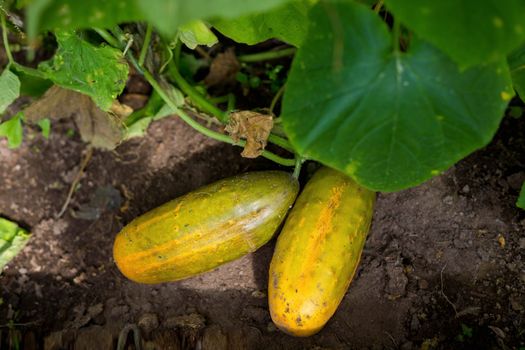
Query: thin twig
{"type": "Point", "coordinates": [444, 295]}
{"type": "Point", "coordinates": [74, 184]}
{"type": "Point", "coordinates": [276, 98]}
{"type": "Point", "coordinates": [392, 339]}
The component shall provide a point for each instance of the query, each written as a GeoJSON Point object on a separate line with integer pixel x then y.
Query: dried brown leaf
{"type": "Point", "coordinates": [253, 127]}
{"type": "Point", "coordinates": [223, 69]}
{"type": "Point", "coordinates": [101, 129]}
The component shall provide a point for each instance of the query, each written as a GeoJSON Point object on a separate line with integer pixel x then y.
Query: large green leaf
{"type": "Point", "coordinates": [9, 89]}
{"type": "Point", "coordinates": [391, 120]}
{"type": "Point", "coordinates": [74, 14]}
{"type": "Point", "coordinates": [12, 130]}
{"type": "Point", "coordinates": [99, 72]}
{"type": "Point", "coordinates": [165, 15]}
{"type": "Point", "coordinates": [12, 239]}
{"type": "Point", "coordinates": [195, 33]}
{"type": "Point", "coordinates": [288, 23]}
{"type": "Point", "coordinates": [516, 62]}
{"type": "Point", "coordinates": [168, 15]}
{"type": "Point", "coordinates": [470, 31]}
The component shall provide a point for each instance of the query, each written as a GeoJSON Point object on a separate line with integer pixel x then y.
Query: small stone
{"type": "Point", "coordinates": [148, 322]}
{"type": "Point", "coordinates": [423, 284]}
{"type": "Point", "coordinates": [484, 255]}
{"type": "Point", "coordinates": [95, 310]}
{"type": "Point", "coordinates": [258, 294]}
{"type": "Point", "coordinates": [119, 311]}
{"type": "Point", "coordinates": [192, 320]}
{"type": "Point", "coordinates": [465, 189]}
{"type": "Point", "coordinates": [397, 282]}
{"type": "Point", "coordinates": [448, 200]}
{"type": "Point", "coordinates": [522, 243]}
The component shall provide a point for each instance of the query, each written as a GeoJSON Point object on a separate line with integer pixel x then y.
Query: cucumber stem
{"type": "Point", "coordinates": [267, 55]}
{"type": "Point", "coordinates": [185, 117]}
{"type": "Point", "coordinates": [145, 45]}
{"type": "Point", "coordinates": [298, 164]}
{"type": "Point", "coordinates": [6, 42]}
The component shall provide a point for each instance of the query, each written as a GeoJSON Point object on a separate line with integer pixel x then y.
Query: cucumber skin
{"type": "Point", "coordinates": [318, 251]}
{"type": "Point", "coordinates": [205, 228]}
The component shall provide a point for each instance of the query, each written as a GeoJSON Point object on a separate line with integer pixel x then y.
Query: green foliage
{"type": "Point", "coordinates": [72, 14]}
{"type": "Point", "coordinates": [196, 33]}
{"type": "Point", "coordinates": [12, 239]}
{"type": "Point", "coordinates": [288, 23]}
{"type": "Point", "coordinates": [168, 15]}
{"type": "Point", "coordinates": [466, 333]}
{"type": "Point", "coordinates": [45, 126]}
{"type": "Point", "coordinates": [389, 111]}
{"type": "Point", "coordinates": [389, 119]}
{"type": "Point", "coordinates": [12, 129]}
{"type": "Point", "coordinates": [469, 31]}
{"type": "Point", "coordinates": [33, 86]}
{"type": "Point", "coordinates": [99, 72]}
{"type": "Point", "coordinates": [521, 199]}
{"type": "Point", "coordinates": [516, 61]}
{"type": "Point", "coordinates": [10, 89]}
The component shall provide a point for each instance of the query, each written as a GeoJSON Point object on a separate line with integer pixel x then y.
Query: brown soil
{"type": "Point", "coordinates": [443, 267]}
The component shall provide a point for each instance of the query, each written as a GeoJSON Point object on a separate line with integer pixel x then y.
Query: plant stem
{"type": "Point", "coordinates": [276, 98]}
{"type": "Point", "coordinates": [378, 6]}
{"type": "Point", "coordinates": [6, 42]}
{"type": "Point", "coordinates": [266, 56]}
{"type": "Point", "coordinates": [145, 44]}
{"type": "Point", "coordinates": [396, 31]}
{"type": "Point", "coordinates": [205, 131]}
{"type": "Point", "coordinates": [199, 100]}
{"type": "Point", "coordinates": [231, 102]}
{"type": "Point", "coordinates": [108, 37]}
{"type": "Point", "coordinates": [17, 66]}
{"type": "Point", "coordinates": [29, 71]}
{"type": "Point", "coordinates": [298, 164]}
{"type": "Point", "coordinates": [186, 118]}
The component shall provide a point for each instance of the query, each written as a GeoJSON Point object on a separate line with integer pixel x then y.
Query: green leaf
{"type": "Point", "coordinates": [99, 72]}
{"type": "Point", "coordinates": [9, 89]}
{"type": "Point", "coordinates": [12, 129]}
{"type": "Point", "coordinates": [138, 128]}
{"type": "Point", "coordinates": [469, 31]}
{"type": "Point", "coordinates": [33, 86]}
{"type": "Point", "coordinates": [521, 199]}
{"type": "Point", "coordinates": [196, 33]}
{"type": "Point", "coordinates": [516, 61]}
{"type": "Point", "coordinates": [288, 23]}
{"type": "Point", "coordinates": [390, 120]}
{"type": "Point", "coordinates": [168, 15]}
{"type": "Point", "coordinates": [12, 239]}
{"type": "Point", "coordinates": [138, 125]}
{"type": "Point", "coordinates": [72, 14]}
{"type": "Point", "coordinates": [45, 126]}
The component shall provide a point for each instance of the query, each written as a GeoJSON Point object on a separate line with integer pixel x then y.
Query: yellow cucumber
{"type": "Point", "coordinates": [318, 251]}
{"type": "Point", "coordinates": [205, 228]}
